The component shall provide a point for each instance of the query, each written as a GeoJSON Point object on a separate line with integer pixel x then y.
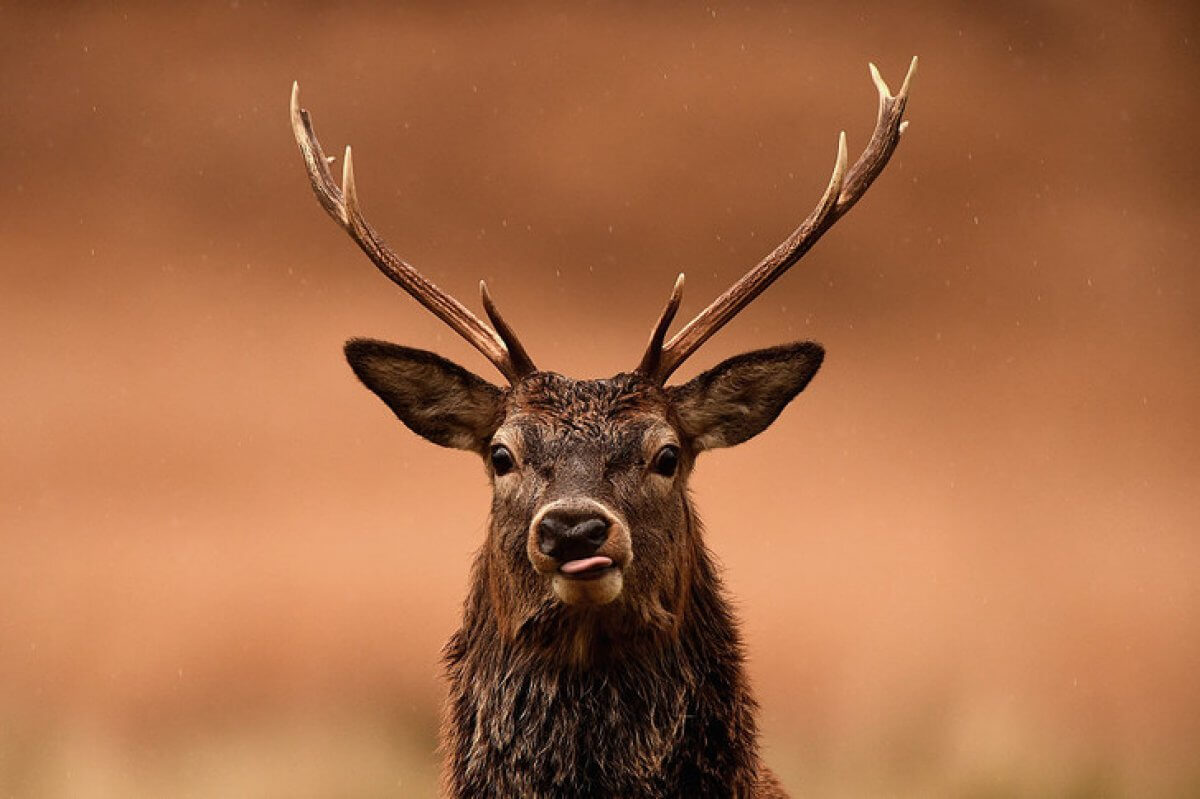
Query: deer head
{"type": "Point", "coordinates": [590, 506]}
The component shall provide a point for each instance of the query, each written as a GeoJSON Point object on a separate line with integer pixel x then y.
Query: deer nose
{"type": "Point", "coordinates": [567, 536]}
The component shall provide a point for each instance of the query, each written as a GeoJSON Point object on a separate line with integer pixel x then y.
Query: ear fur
{"type": "Point", "coordinates": [434, 397]}
{"type": "Point", "coordinates": [740, 397]}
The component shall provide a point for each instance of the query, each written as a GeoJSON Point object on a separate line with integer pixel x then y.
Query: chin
{"type": "Point", "coordinates": [598, 590]}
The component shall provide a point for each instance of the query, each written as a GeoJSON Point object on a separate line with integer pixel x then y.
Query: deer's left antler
{"type": "Point", "coordinates": [845, 188]}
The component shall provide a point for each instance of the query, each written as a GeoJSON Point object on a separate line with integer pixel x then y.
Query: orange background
{"type": "Point", "coordinates": [966, 558]}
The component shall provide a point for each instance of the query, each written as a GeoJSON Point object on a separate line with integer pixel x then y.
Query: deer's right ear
{"type": "Point", "coordinates": [435, 398]}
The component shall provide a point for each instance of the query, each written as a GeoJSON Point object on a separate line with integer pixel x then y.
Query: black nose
{"type": "Point", "coordinates": [571, 535]}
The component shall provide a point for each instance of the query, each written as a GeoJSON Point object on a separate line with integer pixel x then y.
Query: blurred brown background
{"type": "Point", "coordinates": [966, 558]}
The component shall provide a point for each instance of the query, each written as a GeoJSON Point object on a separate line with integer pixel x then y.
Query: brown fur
{"type": "Point", "coordinates": [555, 695]}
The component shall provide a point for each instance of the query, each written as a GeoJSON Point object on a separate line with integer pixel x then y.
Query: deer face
{"type": "Point", "coordinates": [589, 477]}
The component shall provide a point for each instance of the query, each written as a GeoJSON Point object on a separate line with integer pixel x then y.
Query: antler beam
{"type": "Point", "coordinates": [844, 190]}
{"type": "Point", "coordinates": [499, 345]}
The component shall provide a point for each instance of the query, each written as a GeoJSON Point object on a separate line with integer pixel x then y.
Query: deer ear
{"type": "Point", "coordinates": [739, 398]}
{"type": "Point", "coordinates": [435, 398]}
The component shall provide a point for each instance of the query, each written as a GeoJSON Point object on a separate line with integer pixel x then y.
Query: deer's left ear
{"type": "Point", "coordinates": [739, 398]}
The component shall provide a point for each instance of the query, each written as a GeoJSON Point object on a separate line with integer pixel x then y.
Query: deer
{"type": "Point", "coordinates": [598, 655]}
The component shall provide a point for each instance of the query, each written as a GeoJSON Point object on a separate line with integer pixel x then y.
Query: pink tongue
{"type": "Point", "coordinates": [578, 566]}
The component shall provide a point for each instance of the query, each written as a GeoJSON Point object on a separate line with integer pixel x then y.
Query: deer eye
{"type": "Point", "coordinates": [667, 460]}
{"type": "Point", "coordinates": [502, 460]}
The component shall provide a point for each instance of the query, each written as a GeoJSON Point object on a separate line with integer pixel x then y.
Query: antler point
{"type": "Point", "coordinates": [675, 299]}
{"type": "Point", "coordinates": [912, 70]}
{"type": "Point", "coordinates": [834, 190]}
{"type": "Point", "coordinates": [880, 84]}
{"type": "Point", "coordinates": [349, 189]}
{"type": "Point", "coordinates": [294, 110]}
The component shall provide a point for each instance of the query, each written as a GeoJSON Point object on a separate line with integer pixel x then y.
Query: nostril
{"type": "Point", "coordinates": [594, 531]}
{"type": "Point", "coordinates": [550, 534]}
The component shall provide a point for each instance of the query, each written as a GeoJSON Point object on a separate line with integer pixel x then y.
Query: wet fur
{"type": "Point", "coordinates": [649, 712]}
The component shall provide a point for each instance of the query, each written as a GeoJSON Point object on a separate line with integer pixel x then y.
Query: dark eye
{"type": "Point", "coordinates": [502, 460]}
{"type": "Point", "coordinates": [667, 460]}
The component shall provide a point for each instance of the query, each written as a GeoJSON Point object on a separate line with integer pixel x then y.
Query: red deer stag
{"type": "Point", "coordinates": [598, 655]}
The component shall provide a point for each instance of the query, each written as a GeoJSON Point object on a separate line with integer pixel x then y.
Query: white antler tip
{"type": "Point", "coordinates": [834, 190]}
{"type": "Point", "coordinates": [839, 168]}
{"type": "Point", "coordinates": [349, 190]}
{"type": "Point", "coordinates": [676, 295]}
{"type": "Point", "coordinates": [880, 84]}
{"type": "Point", "coordinates": [912, 70]}
{"type": "Point", "coordinates": [294, 107]}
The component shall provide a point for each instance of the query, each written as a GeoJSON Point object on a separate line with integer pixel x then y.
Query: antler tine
{"type": "Point", "coordinates": [521, 361]}
{"type": "Point", "coordinates": [654, 350]}
{"type": "Point", "coordinates": [503, 349]}
{"type": "Point", "coordinates": [845, 188]}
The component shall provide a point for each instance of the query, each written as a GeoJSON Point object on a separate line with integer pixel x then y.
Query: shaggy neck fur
{"type": "Point", "coordinates": [598, 703]}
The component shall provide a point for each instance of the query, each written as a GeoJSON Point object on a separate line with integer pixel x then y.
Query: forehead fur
{"type": "Point", "coordinates": [586, 407]}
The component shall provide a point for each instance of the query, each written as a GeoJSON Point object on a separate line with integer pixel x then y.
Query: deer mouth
{"type": "Point", "coordinates": [594, 580]}
{"type": "Point", "coordinates": [586, 568]}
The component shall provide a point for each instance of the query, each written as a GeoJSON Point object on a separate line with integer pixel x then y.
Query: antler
{"type": "Point", "coordinates": [499, 345]}
{"type": "Point", "coordinates": [845, 189]}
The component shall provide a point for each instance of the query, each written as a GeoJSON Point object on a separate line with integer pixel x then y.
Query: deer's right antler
{"type": "Point", "coordinates": [845, 189]}
{"type": "Point", "coordinates": [499, 345]}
